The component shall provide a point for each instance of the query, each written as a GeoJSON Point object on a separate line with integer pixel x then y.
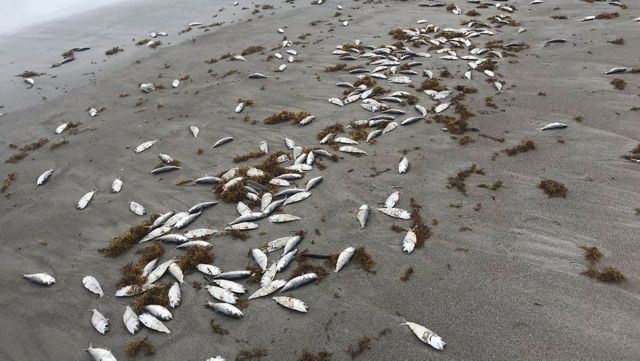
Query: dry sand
{"type": "Point", "coordinates": [499, 283]}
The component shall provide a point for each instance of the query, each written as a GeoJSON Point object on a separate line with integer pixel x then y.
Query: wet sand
{"type": "Point", "coordinates": [499, 283]}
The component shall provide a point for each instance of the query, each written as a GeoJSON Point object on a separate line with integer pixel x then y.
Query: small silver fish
{"type": "Point", "coordinates": [92, 284]}
{"type": "Point", "coordinates": [222, 141]}
{"type": "Point", "coordinates": [363, 215]}
{"type": "Point", "coordinates": [395, 213]}
{"type": "Point", "coordinates": [226, 309]}
{"type": "Point", "coordinates": [84, 200]}
{"type": "Point", "coordinates": [40, 278]}
{"type": "Point", "coordinates": [291, 303]}
{"type": "Point", "coordinates": [427, 336]}
{"type": "Point", "coordinates": [44, 177]}
{"type": "Point", "coordinates": [299, 281]}
{"type": "Point", "coordinates": [137, 208]}
{"type": "Point", "coordinates": [99, 322]}
{"type": "Point", "coordinates": [144, 146]}
{"type": "Point", "coordinates": [344, 258]}
{"type": "Point", "coordinates": [403, 165]}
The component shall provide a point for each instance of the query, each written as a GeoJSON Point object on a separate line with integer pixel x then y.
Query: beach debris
{"type": "Point", "coordinates": [40, 278]}
{"type": "Point", "coordinates": [84, 200]}
{"type": "Point", "coordinates": [44, 177]}
{"type": "Point", "coordinates": [427, 336]}
{"type": "Point", "coordinates": [291, 303]}
{"type": "Point", "coordinates": [99, 322]}
{"type": "Point", "coordinates": [92, 284]}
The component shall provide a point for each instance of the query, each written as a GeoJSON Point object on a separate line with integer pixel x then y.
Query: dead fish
{"type": "Point", "coordinates": [200, 233]}
{"type": "Point", "coordinates": [40, 278]}
{"type": "Point", "coordinates": [269, 275]}
{"type": "Point", "coordinates": [268, 289]}
{"type": "Point", "coordinates": [283, 217]}
{"type": "Point", "coordinates": [84, 201]}
{"type": "Point", "coordinates": [159, 312]}
{"type": "Point", "coordinates": [158, 272]}
{"type": "Point", "coordinates": [616, 70]}
{"type": "Point", "coordinates": [137, 208]}
{"type": "Point", "coordinates": [395, 213]}
{"type": "Point", "coordinates": [93, 112]}
{"type": "Point", "coordinates": [100, 354]}
{"type": "Point", "coordinates": [186, 220]}
{"type": "Point", "coordinates": [30, 82]}
{"type": "Point", "coordinates": [441, 107]}
{"type": "Point", "coordinates": [92, 284]}
{"type": "Point", "coordinates": [175, 83]}
{"type": "Point", "coordinates": [489, 73]}
{"type": "Point", "coordinates": [208, 269]}
{"type": "Point", "coordinates": [291, 303]}
{"type": "Point", "coordinates": [554, 125]}
{"type": "Point", "coordinates": [351, 149]}
{"type": "Point", "coordinates": [302, 167]}
{"type": "Point", "coordinates": [222, 141]}
{"type": "Point", "coordinates": [389, 127]}
{"type": "Point", "coordinates": [588, 18]}
{"type": "Point", "coordinates": [467, 75]}
{"type": "Point", "coordinates": [222, 294]}
{"type": "Point", "coordinates": [243, 226]}
{"type": "Point", "coordinates": [392, 200]}
{"type": "Point", "coordinates": [155, 233]}
{"type": "Point", "coordinates": [427, 336]}
{"type": "Point", "coordinates": [226, 309]}
{"type": "Point", "coordinates": [201, 206]}
{"type": "Point", "coordinates": [194, 130]}
{"type": "Point", "coordinates": [144, 146]}
{"type": "Point", "coordinates": [307, 120]}
{"type": "Point", "coordinates": [298, 197]}
{"type": "Point", "coordinates": [164, 169]}
{"type": "Point", "coordinates": [260, 258]}
{"type": "Point", "coordinates": [312, 183]}
{"type": "Point", "coordinates": [344, 258]}
{"type": "Point", "coordinates": [116, 186]}
{"type": "Point", "coordinates": [150, 266]}
{"type": "Point", "coordinates": [131, 321]}
{"type": "Point", "coordinates": [44, 177]}
{"type": "Point", "coordinates": [285, 260]}
{"type": "Point", "coordinates": [299, 281]}
{"type": "Point", "coordinates": [411, 120]}
{"type": "Point", "coordinates": [175, 218]}
{"type": "Point", "coordinates": [174, 295]}
{"type": "Point", "coordinates": [195, 23]}
{"type": "Point", "coordinates": [176, 272]}
{"type": "Point", "coordinates": [230, 285]}
{"type": "Point", "coordinates": [363, 215]}
{"type": "Point", "coordinates": [282, 67]}
{"type": "Point", "coordinates": [233, 275]}
{"type": "Point", "coordinates": [147, 87]}
{"type": "Point", "coordinates": [239, 57]}
{"type": "Point", "coordinates": [133, 290]}
{"type": "Point", "coordinates": [191, 244]}
{"type": "Point", "coordinates": [257, 76]}
{"type": "Point", "coordinates": [336, 101]}
{"type": "Point", "coordinates": [498, 86]}
{"type": "Point", "coordinates": [403, 165]}
{"type": "Point", "coordinates": [394, 111]}
{"type": "Point", "coordinates": [99, 322]}
{"type": "Point", "coordinates": [421, 110]}
{"type": "Point", "coordinates": [409, 242]}
{"type": "Point", "coordinates": [150, 322]}
{"type": "Point", "coordinates": [279, 243]}
{"type": "Point", "coordinates": [400, 79]}
{"type": "Point", "coordinates": [61, 128]}
{"type": "Point", "coordinates": [555, 41]}
{"type": "Point", "coordinates": [272, 207]}
{"type": "Point", "coordinates": [374, 134]}
{"type": "Point", "coordinates": [264, 147]}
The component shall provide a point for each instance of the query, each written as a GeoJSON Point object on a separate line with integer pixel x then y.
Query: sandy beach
{"type": "Point", "coordinates": [499, 278]}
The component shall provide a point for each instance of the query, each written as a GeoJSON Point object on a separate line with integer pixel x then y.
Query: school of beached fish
{"type": "Point", "coordinates": [395, 66]}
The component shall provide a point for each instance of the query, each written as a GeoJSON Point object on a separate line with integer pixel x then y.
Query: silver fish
{"type": "Point", "coordinates": [222, 294]}
{"type": "Point", "coordinates": [176, 272]}
{"type": "Point", "coordinates": [84, 200]}
{"type": "Point", "coordinates": [207, 180]}
{"type": "Point", "coordinates": [159, 312]}
{"type": "Point", "coordinates": [285, 260]}
{"type": "Point", "coordinates": [116, 186]}
{"type": "Point", "coordinates": [144, 146]}
{"type": "Point", "coordinates": [243, 226]}
{"type": "Point", "coordinates": [230, 285]}
{"type": "Point", "coordinates": [409, 242]}
{"type": "Point", "coordinates": [164, 169]}
{"type": "Point", "coordinates": [208, 269]}
{"type": "Point", "coordinates": [363, 215]}
{"type": "Point", "coordinates": [92, 284]}
{"type": "Point", "coordinates": [186, 220]}
{"type": "Point", "coordinates": [40, 278]}
{"type": "Point", "coordinates": [279, 243]}
{"type": "Point", "coordinates": [392, 200]}
{"type": "Point", "coordinates": [153, 323]}
{"type": "Point", "coordinates": [257, 76]}
{"type": "Point", "coordinates": [131, 321]}
{"type": "Point", "coordinates": [336, 101]}
{"type": "Point", "coordinates": [441, 107]}
{"type": "Point", "coordinates": [291, 303]}
{"type": "Point", "coordinates": [351, 149]}
{"type": "Point", "coordinates": [411, 120]}
{"type": "Point", "coordinates": [299, 281]}
{"type": "Point", "coordinates": [298, 197]}
{"type": "Point", "coordinates": [137, 208]}
{"type": "Point", "coordinates": [427, 336]}
{"type": "Point", "coordinates": [44, 177]}
{"type": "Point", "coordinates": [226, 309]}
{"type": "Point", "coordinates": [232, 275]}
{"type": "Point", "coordinates": [554, 125]}
{"type": "Point", "coordinates": [260, 258]}
{"type": "Point", "coordinates": [194, 131]}
{"type": "Point", "coordinates": [395, 213]}
{"type": "Point", "coordinates": [200, 233]}
{"type": "Point", "coordinates": [200, 206]}
{"type": "Point", "coordinates": [344, 258]}
{"type": "Point", "coordinates": [99, 322]}
{"type": "Point", "coordinates": [190, 244]}
{"type": "Point", "coordinates": [100, 354]}
{"type": "Point", "coordinates": [174, 295]}
{"type": "Point", "coordinates": [222, 141]}
{"type": "Point", "coordinates": [312, 183]}
{"type": "Point", "coordinates": [155, 234]}
{"type": "Point", "coordinates": [269, 275]}
{"type": "Point", "coordinates": [239, 107]}
{"type": "Point", "coordinates": [283, 217]}
{"type": "Point", "coordinates": [268, 289]}
{"type": "Point", "coordinates": [403, 165]}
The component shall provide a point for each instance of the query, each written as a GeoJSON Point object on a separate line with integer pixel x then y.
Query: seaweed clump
{"type": "Point", "coordinates": [524, 146]}
{"type": "Point", "coordinates": [23, 151]}
{"type": "Point", "coordinates": [361, 346]}
{"type": "Point", "coordinates": [321, 356]}
{"type": "Point", "coordinates": [158, 295]}
{"type": "Point", "coordinates": [244, 157]}
{"type": "Point", "coordinates": [255, 354]}
{"type": "Point", "coordinates": [217, 329]}
{"type": "Point", "coordinates": [113, 51]}
{"type": "Point", "coordinates": [123, 242]}
{"type": "Point", "coordinates": [193, 257]}
{"type": "Point", "coordinates": [252, 49]}
{"type": "Point", "coordinates": [618, 83]}
{"type": "Point", "coordinates": [363, 258]}
{"type": "Point", "coordinates": [134, 347]}
{"type": "Point", "coordinates": [285, 116]}
{"type": "Point", "coordinates": [458, 181]}
{"type": "Point", "coordinates": [305, 266]}
{"type": "Point", "coordinates": [608, 274]}
{"type": "Point", "coordinates": [553, 188]}
{"type": "Point", "coordinates": [432, 84]}
{"type": "Point", "coordinates": [6, 183]}
{"type": "Point", "coordinates": [333, 128]}
{"type": "Point", "coordinates": [407, 274]}
{"type": "Point", "coordinates": [607, 16]}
